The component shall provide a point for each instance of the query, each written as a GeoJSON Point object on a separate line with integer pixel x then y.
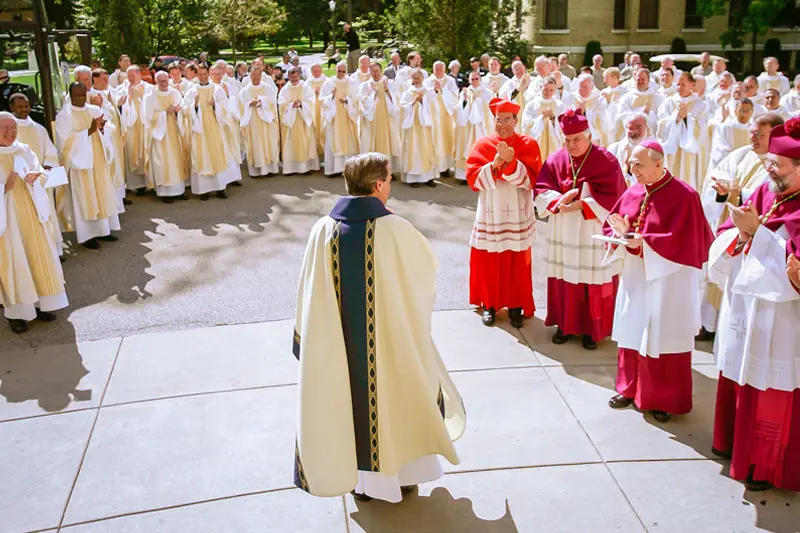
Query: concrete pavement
{"type": "Point", "coordinates": [163, 401]}
{"type": "Point", "coordinates": [193, 431]}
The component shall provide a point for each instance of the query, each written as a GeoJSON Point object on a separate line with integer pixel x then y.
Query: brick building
{"type": "Point", "coordinates": [647, 27]}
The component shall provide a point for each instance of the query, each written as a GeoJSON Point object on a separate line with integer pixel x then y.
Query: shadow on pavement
{"type": "Point", "coordinates": [438, 513]}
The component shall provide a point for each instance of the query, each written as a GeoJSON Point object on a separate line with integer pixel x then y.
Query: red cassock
{"type": "Point", "coordinates": [500, 256]}
{"type": "Point", "coordinates": [576, 306]}
{"type": "Point", "coordinates": [669, 216]}
{"type": "Point", "coordinates": [762, 427]}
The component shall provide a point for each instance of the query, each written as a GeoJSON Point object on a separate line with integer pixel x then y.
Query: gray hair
{"type": "Point", "coordinates": [635, 116]}
{"type": "Point", "coordinates": [596, 56]}
{"type": "Point", "coordinates": [583, 77]}
{"type": "Point", "coordinates": [797, 80]}
{"type": "Point", "coordinates": [363, 172]}
{"type": "Point", "coordinates": [453, 63]}
{"type": "Point", "coordinates": [541, 59]}
{"type": "Point", "coordinates": [438, 63]}
{"type": "Point", "coordinates": [341, 63]}
{"type": "Point", "coordinates": [515, 63]}
{"type": "Point", "coordinates": [82, 69]}
{"type": "Point", "coordinates": [727, 74]}
{"type": "Point", "coordinates": [130, 68]}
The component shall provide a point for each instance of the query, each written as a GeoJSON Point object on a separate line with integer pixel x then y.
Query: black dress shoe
{"type": "Point", "coordinates": [168, 199]}
{"type": "Point", "coordinates": [222, 194]}
{"type": "Point", "coordinates": [181, 197]}
{"type": "Point", "coordinates": [662, 416]}
{"type": "Point", "coordinates": [445, 174]}
{"type": "Point", "coordinates": [588, 343]}
{"type": "Point", "coordinates": [125, 201]}
{"type": "Point", "coordinates": [237, 183]}
{"type": "Point", "coordinates": [705, 335]}
{"type": "Point", "coordinates": [62, 259]}
{"type": "Point", "coordinates": [407, 489]}
{"type": "Point", "coordinates": [757, 486]}
{"type": "Point", "coordinates": [414, 185]}
{"type": "Point", "coordinates": [141, 191]}
{"type": "Point", "coordinates": [109, 238]}
{"type": "Point", "coordinates": [559, 337]}
{"type": "Point", "coordinates": [361, 497]}
{"type": "Point", "coordinates": [722, 455]}
{"type": "Point", "coordinates": [92, 244]}
{"type": "Point", "coordinates": [463, 182]}
{"type": "Point", "coordinates": [431, 183]}
{"type": "Point", "coordinates": [204, 197]}
{"type": "Point", "coordinates": [516, 317]}
{"type": "Point", "coordinates": [44, 316]}
{"type": "Point", "coordinates": [620, 402]}
{"type": "Point", "coordinates": [488, 317]}
{"type": "Point", "coordinates": [17, 326]}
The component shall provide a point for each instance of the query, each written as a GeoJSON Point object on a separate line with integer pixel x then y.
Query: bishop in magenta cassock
{"type": "Point", "coordinates": [657, 314]}
{"type": "Point", "coordinates": [755, 261]}
{"type": "Point", "coordinates": [502, 168]}
{"type": "Point", "coordinates": [577, 187]}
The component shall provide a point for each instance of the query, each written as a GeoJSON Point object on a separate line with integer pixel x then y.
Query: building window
{"type": "Point", "coordinates": [691, 19]}
{"type": "Point", "coordinates": [620, 14]}
{"type": "Point", "coordinates": [555, 15]}
{"type": "Point", "coordinates": [648, 15]}
{"type": "Point", "coordinates": [789, 17]}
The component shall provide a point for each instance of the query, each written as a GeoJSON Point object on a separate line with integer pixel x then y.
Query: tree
{"type": "Point", "coordinates": [505, 38]}
{"type": "Point", "coordinates": [445, 28]}
{"type": "Point", "coordinates": [593, 48]}
{"type": "Point", "coordinates": [118, 28]}
{"type": "Point", "coordinates": [747, 17]}
{"type": "Point", "coordinates": [175, 26]}
{"type": "Point", "coordinates": [239, 21]}
{"type": "Point", "coordinates": [310, 18]}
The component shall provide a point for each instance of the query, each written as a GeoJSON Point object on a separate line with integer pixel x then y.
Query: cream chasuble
{"type": "Point", "coordinates": [36, 137]}
{"type": "Point", "coordinates": [495, 82]}
{"type": "Point", "coordinates": [685, 142]}
{"type": "Point", "coordinates": [339, 99]}
{"type": "Point", "coordinates": [364, 434]}
{"type": "Point", "coordinates": [728, 136]}
{"type": "Point", "coordinates": [213, 164]}
{"type": "Point", "coordinates": [299, 145]}
{"type": "Point", "coordinates": [135, 144]}
{"type": "Point", "coordinates": [443, 121]}
{"type": "Point", "coordinates": [636, 101]}
{"type": "Point", "coordinates": [379, 130]}
{"type": "Point", "coordinates": [616, 127]}
{"type": "Point", "coordinates": [30, 270]}
{"type": "Point", "coordinates": [319, 131]}
{"type": "Point", "coordinates": [474, 120]}
{"type": "Point", "coordinates": [791, 102]}
{"type": "Point", "coordinates": [116, 133]}
{"type": "Point", "coordinates": [419, 155]}
{"type": "Point", "coordinates": [595, 107]}
{"type": "Point", "coordinates": [777, 81]}
{"type": "Point", "coordinates": [90, 203]}
{"type": "Point", "coordinates": [514, 91]}
{"type": "Point", "coordinates": [546, 131]}
{"type": "Point", "coordinates": [165, 165]}
{"type": "Point", "coordinates": [260, 129]}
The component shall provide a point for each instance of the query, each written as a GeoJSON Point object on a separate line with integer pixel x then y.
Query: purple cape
{"type": "Point", "coordinates": [674, 224]}
{"type": "Point", "coordinates": [601, 172]}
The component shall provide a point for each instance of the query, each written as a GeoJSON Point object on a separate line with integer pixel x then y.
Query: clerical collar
{"type": "Point", "coordinates": [14, 148]}
{"type": "Point", "coordinates": [26, 120]}
{"type": "Point", "coordinates": [358, 208]}
{"type": "Point", "coordinates": [661, 181]}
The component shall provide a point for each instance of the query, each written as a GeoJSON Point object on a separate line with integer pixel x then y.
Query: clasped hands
{"type": "Point", "coordinates": [746, 220]}
{"type": "Point", "coordinates": [569, 202]}
{"type": "Point", "coordinates": [622, 227]}
{"type": "Point", "coordinates": [504, 156]}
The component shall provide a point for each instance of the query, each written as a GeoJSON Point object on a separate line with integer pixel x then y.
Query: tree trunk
{"type": "Point", "coordinates": [753, 53]}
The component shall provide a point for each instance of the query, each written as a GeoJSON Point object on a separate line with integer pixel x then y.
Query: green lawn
{"type": "Point", "coordinates": [28, 78]}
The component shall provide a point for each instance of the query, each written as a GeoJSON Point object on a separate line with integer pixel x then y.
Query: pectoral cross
{"type": "Point", "coordinates": [739, 329]}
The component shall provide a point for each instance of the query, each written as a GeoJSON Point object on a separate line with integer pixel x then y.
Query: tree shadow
{"type": "Point", "coordinates": [438, 513]}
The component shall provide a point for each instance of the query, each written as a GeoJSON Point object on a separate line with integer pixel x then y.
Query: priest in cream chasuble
{"type": "Point", "coordinates": [31, 280]}
{"type": "Point", "coordinates": [299, 144]}
{"type": "Point", "coordinates": [376, 404]}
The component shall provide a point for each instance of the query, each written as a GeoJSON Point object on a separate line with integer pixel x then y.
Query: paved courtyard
{"type": "Point", "coordinates": [163, 401]}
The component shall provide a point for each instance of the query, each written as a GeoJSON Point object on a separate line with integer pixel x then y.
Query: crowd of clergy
{"type": "Point", "coordinates": [635, 171]}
